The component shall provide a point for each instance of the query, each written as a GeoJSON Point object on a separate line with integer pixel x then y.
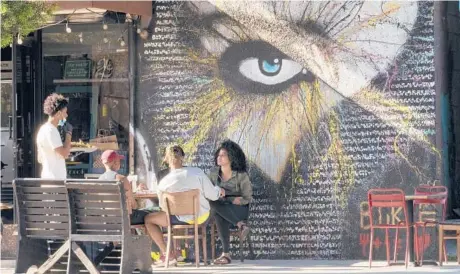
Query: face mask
{"type": "Point", "coordinates": [61, 122]}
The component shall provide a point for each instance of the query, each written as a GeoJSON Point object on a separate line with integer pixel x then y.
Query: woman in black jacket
{"type": "Point", "coordinates": [233, 209]}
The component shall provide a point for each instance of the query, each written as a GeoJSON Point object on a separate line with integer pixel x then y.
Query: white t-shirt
{"type": "Point", "coordinates": [53, 164]}
{"type": "Point", "coordinates": [188, 178]}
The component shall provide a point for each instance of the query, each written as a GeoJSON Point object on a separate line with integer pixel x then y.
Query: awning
{"type": "Point", "coordinates": [143, 8]}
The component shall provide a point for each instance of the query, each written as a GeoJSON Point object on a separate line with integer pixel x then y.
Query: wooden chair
{"type": "Point", "coordinates": [234, 232]}
{"type": "Point", "coordinates": [185, 203]}
{"type": "Point", "coordinates": [43, 215]}
{"type": "Point", "coordinates": [449, 225]}
{"type": "Point", "coordinates": [388, 198]}
{"type": "Point", "coordinates": [93, 220]}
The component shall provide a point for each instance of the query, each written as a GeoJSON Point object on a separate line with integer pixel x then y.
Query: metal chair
{"type": "Point", "coordinates": [428, 190]}
{"type": "Point", "coordinates": [388, 198]}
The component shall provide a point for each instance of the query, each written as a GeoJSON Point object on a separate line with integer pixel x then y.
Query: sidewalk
{"type": "Point", "coordinates": [292, 266]}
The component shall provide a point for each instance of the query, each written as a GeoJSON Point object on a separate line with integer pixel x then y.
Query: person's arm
{"type": "Point", "coordinates": [54, 140]}
{"type": "Point", "coordinates": [64, 150]}
{"type": "Point", "coordinates": [246, 191]}
{"type": "Point", "coordinates": [160, 194]}
{"type": "Point", "coordinates": [130, 201]}
{"type": "Point", "coordinates": [210, 191]}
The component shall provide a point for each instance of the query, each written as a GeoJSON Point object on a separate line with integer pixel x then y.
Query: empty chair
{"type": "Point", "coordinates": [449, 225]}
{"type": "Point", "coordinates": [441, 200]}
{"type": "Point", "coordinates": [98, 213]}
{"type": "Point", "coordinates": [388, 198]}
{"type": "Point", "coordinates": [43, 215]}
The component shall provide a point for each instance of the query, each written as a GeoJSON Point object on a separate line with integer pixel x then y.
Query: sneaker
{"type": "Point", "coordinates": [179, 257]}
{"type": "Point", "coordinates": [162, 261]}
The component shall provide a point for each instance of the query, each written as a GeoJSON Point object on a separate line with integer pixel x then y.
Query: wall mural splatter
{"type": "Point", "coordinates": [327, 99]}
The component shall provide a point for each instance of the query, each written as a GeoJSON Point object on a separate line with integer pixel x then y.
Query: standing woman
{"type": "Point", "coordinates": [232, 209]}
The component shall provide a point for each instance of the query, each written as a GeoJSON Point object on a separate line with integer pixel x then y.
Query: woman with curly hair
{"type": "Point", "coordinates": [232, 209]}
{"type": "Point", "coordinates": [51, 151]}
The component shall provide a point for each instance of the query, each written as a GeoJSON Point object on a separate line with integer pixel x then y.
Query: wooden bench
{"type": "Point", "coordinates": [57, 216]}
{"type": "Point", "coordinates": [43, 215]}
{"type": "Point", "coordinates": [108, 221]}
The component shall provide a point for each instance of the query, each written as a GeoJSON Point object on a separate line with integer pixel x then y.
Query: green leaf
{"type": "Point", "coordinates": [23, 17]}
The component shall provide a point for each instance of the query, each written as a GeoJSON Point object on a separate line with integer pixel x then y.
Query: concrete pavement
{"type": "Point", "coordinates": [292, 266]}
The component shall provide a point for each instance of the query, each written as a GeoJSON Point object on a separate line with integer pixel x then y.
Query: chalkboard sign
{"type": "Point", "coordinates": [77, 69]}
{"type": "Point", "coordinates": [79, 110]}
{"type": "Point", "coordinates": [76, 173]}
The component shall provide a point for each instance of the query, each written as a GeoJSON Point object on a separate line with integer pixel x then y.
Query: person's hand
{"type": "Point", "coordinates": [68, 128]}
{"type": "Point", "coordinates": [237, 201]}
{"type": "Point", "coordinates": [222, 193]}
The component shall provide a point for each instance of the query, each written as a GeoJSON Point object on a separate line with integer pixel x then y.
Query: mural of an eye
{"type": "Point", "coordinates": [269, 72]}
{"type": "Point", "coordinates": [258, 67]}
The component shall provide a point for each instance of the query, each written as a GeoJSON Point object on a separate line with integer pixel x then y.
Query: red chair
{"type": "Point", "coordinates": [428, 190]}
{"type": "Point", "coordinates": [388, 198]}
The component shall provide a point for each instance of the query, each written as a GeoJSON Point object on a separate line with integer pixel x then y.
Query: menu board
{"type": "Point", "coordinates": [77, 69]}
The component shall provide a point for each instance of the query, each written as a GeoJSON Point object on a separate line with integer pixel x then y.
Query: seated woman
{"type": "Point", "coordinates": [233, 209]}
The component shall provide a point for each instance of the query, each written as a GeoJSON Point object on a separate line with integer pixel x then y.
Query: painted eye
{"type": "Point", "coordinates": [269, 72]}
{"type": "Point", "coordinates": [258, 67]}
{"type": "Point", "coordinates": [269, 68]}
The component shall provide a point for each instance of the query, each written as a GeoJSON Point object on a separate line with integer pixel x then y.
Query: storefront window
{"type": "Point", "coordinates": [89, 65]}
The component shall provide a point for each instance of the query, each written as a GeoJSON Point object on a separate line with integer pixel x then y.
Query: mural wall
{"type": "Point", "coordinates": [327, 99]}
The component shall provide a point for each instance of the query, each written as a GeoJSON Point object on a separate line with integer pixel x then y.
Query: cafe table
{"type": "Point", "coordinates": [145, 195]}
{"type": "Point", "coordinates": [410, 212]}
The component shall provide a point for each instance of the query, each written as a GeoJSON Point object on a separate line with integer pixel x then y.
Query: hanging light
{"type": "Point", "coordinates": [128, 18]}
{"type": "Point", "coordinates": [81, 37]}
{"type": "Point", "coordinates": [105, 26]}
{"type": "Point", "coordinates": [105, 40]}
{"type": "Point", "coordinates": [19, 39]}
{"type": "Point", "coordinates": [67, 28]}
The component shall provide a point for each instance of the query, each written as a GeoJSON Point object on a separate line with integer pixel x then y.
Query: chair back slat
{"type": "Point", "coordinates": [181, 203]}
{"type": "Point", "coordinates": [96, 207]}
{"type": "Point", "coordinates": [42, 207]}
{"type": "Point", "coordinates": [386, 198]}
{"type": "Point", "coordinates": [430, 190]}
{"type": "Point", "coordinates": [387, 204]}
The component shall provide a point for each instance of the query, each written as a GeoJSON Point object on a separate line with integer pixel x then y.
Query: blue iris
{"type": "Point", "coordinates": [270, 67]}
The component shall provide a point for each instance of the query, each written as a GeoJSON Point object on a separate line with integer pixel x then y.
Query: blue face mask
{"type": "Point", "coordinates": [61, 122]}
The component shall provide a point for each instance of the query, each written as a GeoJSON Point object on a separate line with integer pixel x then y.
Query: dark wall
{"type": "Point", "coordinates": [327, 99]}
{"type": "Point", "coordinates": [453, 29]}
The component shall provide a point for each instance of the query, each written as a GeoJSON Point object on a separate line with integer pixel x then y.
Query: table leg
{"type": "Point", "coordinates": [410, 234]}
{"type": "Point", "coordinates": [458, 247]}
{"type": "Point", "coordinates": [441, 243]}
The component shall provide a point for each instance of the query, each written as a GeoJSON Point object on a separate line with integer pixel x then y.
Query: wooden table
{"type": "Point", "coordinates": [410, 212]}
{"type": "Point", "coordinates": [145, 195]}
